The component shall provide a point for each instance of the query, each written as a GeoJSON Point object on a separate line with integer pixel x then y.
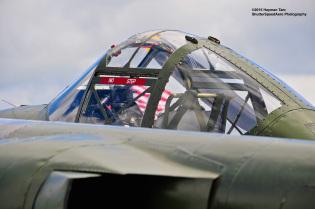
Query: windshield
{"type": "Point", "coordinates": [65, 106]}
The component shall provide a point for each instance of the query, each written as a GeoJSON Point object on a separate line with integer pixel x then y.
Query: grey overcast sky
{"type": "Point", "coordinates": [44, 44]}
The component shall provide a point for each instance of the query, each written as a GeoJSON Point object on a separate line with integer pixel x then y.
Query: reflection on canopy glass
{"type": "Point", "coordinates": [210, 94]}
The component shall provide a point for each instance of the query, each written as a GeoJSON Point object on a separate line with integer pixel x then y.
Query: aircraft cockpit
{"type": "Point", "coordinates": [170, 80]}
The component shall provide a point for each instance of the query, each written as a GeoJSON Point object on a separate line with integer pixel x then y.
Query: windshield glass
{"type": "Point", "coordinates": [65, 106]}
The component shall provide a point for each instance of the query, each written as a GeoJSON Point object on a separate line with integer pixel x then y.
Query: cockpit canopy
{"type": "Point", "coordinates": [162, 79]}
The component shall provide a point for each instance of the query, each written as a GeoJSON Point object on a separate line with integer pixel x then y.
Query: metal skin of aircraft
{"type": "Point", "coordinates": [165, 119]}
